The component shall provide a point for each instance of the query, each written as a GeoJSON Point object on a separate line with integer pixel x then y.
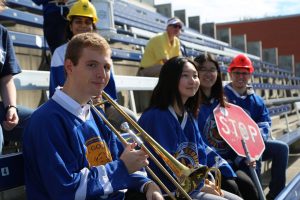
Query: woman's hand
{"type": "Point", "coordinates": [251, 163]}
{"type": "Point", "coordinates": [12, 119]}
{"type": "Point", "coordinates": [210, 188]}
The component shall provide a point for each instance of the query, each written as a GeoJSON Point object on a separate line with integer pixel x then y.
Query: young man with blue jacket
{"type": "Point", "coordinates": [239, 92]}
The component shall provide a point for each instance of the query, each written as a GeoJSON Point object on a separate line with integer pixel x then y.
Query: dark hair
{"type": "Point", "coordinates": [68, 32]}
{"type": "Point", "coordinates": [166, 91]}
{"type": "Point", "coordinates": [217, 90]}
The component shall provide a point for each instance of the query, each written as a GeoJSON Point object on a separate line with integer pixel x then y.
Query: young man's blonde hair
{"type": "Point", "coordinates": [86, 40]}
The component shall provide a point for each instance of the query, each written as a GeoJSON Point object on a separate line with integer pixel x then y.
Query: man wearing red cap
{"type": "Point", "coordinates": [239, 92]}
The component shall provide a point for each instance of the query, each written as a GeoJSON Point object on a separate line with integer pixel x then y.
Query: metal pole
{"type": "Point", "coordinates": [253, 173]}
{"type": "Point", "coordinates": [105, 13]}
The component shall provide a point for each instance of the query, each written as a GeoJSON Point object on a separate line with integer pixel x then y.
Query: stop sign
{"type": "Point", "coordinates": [234, 124]}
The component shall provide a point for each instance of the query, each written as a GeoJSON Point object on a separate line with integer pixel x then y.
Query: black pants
{"type": "Point", "coordinates": [55, 29]}
{"type": "Point", "coordinates": [134, 195]}
{"type": "Point", "coordinates": [242, 186]}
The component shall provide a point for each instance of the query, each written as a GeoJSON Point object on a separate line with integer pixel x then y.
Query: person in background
{"type": "Point", "coordinates": [160, 48]}
{"type": "Point", "coordinates": [239, 92]}
{"type": "Point", "coordinates": [81, 157]}
{"type": "Point", "coordinates": [12, 117]}
{"type": "Point", "coordinates": [54, 26]}
{"type": "Point", "coordinates": [170, 120]}
{"type": "Point", "coordinates": [212, 95]}
{"type": "Point", "coordinates": [82, 18]}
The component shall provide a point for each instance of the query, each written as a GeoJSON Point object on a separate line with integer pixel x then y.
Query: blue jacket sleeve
{"type": "Point", "coordinates": [57, 72]}
{"type": "Point", "coordinates": [111, 88]}
{"type": "Point", "coordinates": [264, 123]}
{"type": "Point", "coordinates": [39, 2]}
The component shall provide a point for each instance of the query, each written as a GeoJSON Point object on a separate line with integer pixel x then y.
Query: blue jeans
{"type": "Point", "coordinates": [17, 133]}
{"type": "Point", "coordinates": [276, 151]}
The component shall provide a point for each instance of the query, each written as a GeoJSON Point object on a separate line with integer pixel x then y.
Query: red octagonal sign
{"type": "Point", "coordinates": [233, 124]}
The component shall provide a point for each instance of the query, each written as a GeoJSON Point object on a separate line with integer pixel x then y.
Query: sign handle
{"type": "Point", "coordinates": [253, 173]}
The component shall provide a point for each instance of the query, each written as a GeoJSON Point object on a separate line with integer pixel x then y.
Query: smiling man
{"type": "Point", "coordinates": [69, 152]}
{"type": "Point", "coordinates": [160, 48]}
{"type": "Point", "coordinates": [239, 92]}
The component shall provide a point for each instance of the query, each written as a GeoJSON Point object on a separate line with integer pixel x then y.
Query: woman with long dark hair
{"type": "Point", "coordinates": [212, 95]}
{"type": "Point", "coordinates": [170, 120]}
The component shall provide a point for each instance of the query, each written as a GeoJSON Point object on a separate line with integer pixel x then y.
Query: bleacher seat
{"type": "Point", "coordinates": [291, 191]}
{"type": "Point", "coordinates": [19, 17]}
{"type": "Point", "coordinates": [27, 5]}
{"type": "Point", "coordinates": [12, 174]}
{"type": "Point", "coordinates": [27, 40]}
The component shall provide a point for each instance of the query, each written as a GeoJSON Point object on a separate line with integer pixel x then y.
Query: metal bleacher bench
{"type": "Point", "coordinates": [291, 191]}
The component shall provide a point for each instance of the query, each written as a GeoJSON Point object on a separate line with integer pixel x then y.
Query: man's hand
{"type": "Point", "coordinates": [153, 192]}
{"type": "Point", "coordinates": [134, 159]}
{"type": "Point", "coordinates": [251, 163]}
{"type": "Point", "coordinates": [12, 119]}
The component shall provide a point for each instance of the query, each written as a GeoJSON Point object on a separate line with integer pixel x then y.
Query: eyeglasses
{"type": "Point", "coordinates": [177, 26]}
{"type": "Point", "coordinates": [205, 70]}
{"type": "Point", "coordinates": [241, 73]}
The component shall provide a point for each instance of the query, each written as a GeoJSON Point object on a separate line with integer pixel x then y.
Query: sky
{"type": "Point", "coordinates": [219, 11]}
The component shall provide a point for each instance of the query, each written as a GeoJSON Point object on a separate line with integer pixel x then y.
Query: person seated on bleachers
{"type": "Point", "coordinates": [54, 26]}
{"type": "Point", "coordinates": [240, 93]}
{"type": "Point", "coordinates": [160, 48]}
{"type": "Point", "coordinates": [82, 18]}
{"type": "Point", "coordinates": [171, 121]}
{"type": "Point", "coordinates": [212, 95]}
{"type": "Point", "coordinates": [69, 152]}
{"type": "Point", "coordinates": [12, 117]}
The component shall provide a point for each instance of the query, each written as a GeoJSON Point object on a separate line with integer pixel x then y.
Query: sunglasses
{"type": "Point", "coordinates": [176, 26]}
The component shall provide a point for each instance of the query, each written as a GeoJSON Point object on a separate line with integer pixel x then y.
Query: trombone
{"type": "Point", "coordinates": [187, 179]}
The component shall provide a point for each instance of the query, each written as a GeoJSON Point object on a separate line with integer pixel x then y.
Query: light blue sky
{"type": "Point", "coordinates": [233, 10]}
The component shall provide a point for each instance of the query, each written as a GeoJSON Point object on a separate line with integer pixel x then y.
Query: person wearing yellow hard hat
{"type": "Point", "coordinates": [82, 18]}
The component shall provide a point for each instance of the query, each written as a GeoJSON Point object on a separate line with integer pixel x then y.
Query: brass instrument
{"type": "Point", "coordinates": [187, 179]}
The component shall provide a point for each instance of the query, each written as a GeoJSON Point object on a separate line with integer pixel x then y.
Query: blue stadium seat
{"type": "Point", "coordinates": [126, 39]}
{"type": "Point", "coordinates": [12, 173]}
{"type": "Point", "coordinates": [35, 41]}
{"type": "Point", "coordinates": [27, 5]}
{"type": "Point", "coordinates": [277, 110]}
{"type": "Point", "coordinates": [19, 17]}
{"type": "Point", "coordinates": [27, 40]}
{"type": "Point", "coordinates": [291, 191]}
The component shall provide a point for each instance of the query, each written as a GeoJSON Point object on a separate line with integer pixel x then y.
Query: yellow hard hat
{"type": "Point", "coordinates": [83, 8]}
